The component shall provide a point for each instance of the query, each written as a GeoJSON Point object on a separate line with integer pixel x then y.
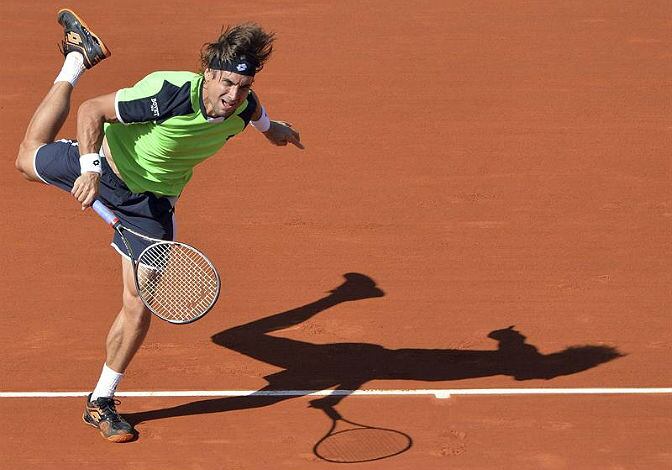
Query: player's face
{"type": "Point", "coordinates": [224, 91]}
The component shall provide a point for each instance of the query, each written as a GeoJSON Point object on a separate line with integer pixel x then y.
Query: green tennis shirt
{"type": "Point", "coordinates": [163, 131]}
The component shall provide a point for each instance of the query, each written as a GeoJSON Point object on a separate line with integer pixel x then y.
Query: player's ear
{"type": "Point", "coordinates": [208, 74]}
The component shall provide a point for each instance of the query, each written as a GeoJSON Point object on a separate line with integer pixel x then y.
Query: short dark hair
{"type": "Point", "coordinates": [247, 39]}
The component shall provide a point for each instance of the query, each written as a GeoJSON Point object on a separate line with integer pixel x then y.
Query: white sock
{"type": "Point", "coordinates": [73, 68]}
{"type": "Point", "coordinates": [107, 384]}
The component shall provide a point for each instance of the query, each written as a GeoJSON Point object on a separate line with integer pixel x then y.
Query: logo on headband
{"type": "Point", "coordinates": [239, 64]}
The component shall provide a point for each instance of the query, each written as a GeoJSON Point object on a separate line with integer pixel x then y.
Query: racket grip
{"type": "Point", "coordinates": [106, 214]}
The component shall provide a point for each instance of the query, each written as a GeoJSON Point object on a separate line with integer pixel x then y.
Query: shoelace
{"type": "Point", "coordinates": [88, 35]}
{"type": "Point", "coordinates": [109, 410]}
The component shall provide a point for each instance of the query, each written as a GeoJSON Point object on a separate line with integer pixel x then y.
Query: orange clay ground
{"type": "Point", "coordinates": [488, 164]}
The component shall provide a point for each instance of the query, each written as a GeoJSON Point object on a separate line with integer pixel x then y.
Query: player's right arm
{"type": "Point", "coordinates": [91, 117]}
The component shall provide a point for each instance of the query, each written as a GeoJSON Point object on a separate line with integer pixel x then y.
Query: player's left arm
{"type": "Point", "coordinates": [277, 132]}
{"type": "Point", "coordinates": [91, 117]}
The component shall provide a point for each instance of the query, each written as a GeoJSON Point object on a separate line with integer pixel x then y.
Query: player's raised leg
{"type": "Point", "coordinates": [82, 50]}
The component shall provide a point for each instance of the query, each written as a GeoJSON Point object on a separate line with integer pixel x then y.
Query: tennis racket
{"type": "Point", "coordinates": [350, 442]}
{"type": "Point", "coordinates": [175, 281]}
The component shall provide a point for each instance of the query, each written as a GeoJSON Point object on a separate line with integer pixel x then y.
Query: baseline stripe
{"type": "Point", "coordinates": [438, 393]}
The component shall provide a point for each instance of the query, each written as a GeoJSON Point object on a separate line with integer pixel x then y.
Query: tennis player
{"type": "Point", "coordinates": [136, 150]}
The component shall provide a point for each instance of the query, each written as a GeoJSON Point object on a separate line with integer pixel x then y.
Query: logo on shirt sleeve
{"type": "Point", "coordinates": [154, 107]}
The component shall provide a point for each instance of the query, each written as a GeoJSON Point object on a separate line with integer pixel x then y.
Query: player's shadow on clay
{"type": "Point", "coordinates": [348, 366]}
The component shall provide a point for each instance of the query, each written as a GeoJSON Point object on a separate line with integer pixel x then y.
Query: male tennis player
{"type": "Point", "coordinates": [135, 151]}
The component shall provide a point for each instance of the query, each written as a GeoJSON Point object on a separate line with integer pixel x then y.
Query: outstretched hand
{"type": "Point", "coordinates": [281, 133]}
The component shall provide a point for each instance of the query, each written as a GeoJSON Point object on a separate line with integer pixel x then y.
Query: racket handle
{"type": "Point", "coordinates": [106, 214]}
{"type": "Point", "coordinates": [332, 413]}
{"type": "Point", "coordinates": [328, 409]}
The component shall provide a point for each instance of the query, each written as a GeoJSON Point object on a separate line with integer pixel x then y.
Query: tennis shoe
{"type": "Point", "coordinates": [79, 38]}
{"type": "Point", "coordinates": [102, 414]}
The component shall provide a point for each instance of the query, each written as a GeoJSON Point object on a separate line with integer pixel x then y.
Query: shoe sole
{"type": "Point", "coordinates": [115, 438]}
{"type": "Point", "coordinates": [106, 51]}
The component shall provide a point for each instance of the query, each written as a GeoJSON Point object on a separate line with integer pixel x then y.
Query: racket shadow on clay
{"type": "Point", "coordinates": [349, 442]}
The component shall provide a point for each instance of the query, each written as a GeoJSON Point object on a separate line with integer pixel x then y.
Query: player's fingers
{"type": "Point", "coordinates": [298, 144]}
{"type": "Point", "coordinates": [88, 200]}
{"type": "Point", "coordinates": [296, 140]}
{"type": "Point", "coordinates": [76, 190]}
{"type": "Point", "coordinates": [83, 191]}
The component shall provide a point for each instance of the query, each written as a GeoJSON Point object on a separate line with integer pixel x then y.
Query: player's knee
{"type": "Point", "coordinates": [24, 161]}
{"type": "Point", "coordinates": [135, 309]}
{"type": "Point", "coordinates": [20, 162]}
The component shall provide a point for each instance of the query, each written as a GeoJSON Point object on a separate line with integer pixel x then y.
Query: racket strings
{"type": "Point", "coordinates": [176, 281]}
{"type": "Point", "coordinates": [362, 445]}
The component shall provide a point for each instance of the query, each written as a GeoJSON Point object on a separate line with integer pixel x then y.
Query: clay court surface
{"type": "Point", "coordinates": [487, 164]}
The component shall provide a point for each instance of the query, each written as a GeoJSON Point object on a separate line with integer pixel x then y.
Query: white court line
{"type": "Point", "coordinates": [437, 393]}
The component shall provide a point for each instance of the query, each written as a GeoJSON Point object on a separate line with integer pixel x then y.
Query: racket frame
{"type": "Point", "coordinates": [108, 216]}
{"type": "Point", "coordinates": [336, 417]}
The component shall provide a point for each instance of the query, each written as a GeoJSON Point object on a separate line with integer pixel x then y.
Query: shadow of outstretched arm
{"type": "Point", "coordinates": [348, 366]}
{"type": "Point", "coordinates": [253, 340]}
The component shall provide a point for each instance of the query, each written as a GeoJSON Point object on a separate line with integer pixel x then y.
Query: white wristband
{"type": "Point", "coordinates": [263, 123]}
{"type": "Point", "coordinates": [90, 162]}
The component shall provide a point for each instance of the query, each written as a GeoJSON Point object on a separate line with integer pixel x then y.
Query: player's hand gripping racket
{"type": "Point", "coordinates": [175, 281]}
{"type": "Point", "coordinates": [350, 442]}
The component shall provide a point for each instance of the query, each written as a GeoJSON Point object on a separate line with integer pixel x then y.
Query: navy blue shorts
{"type": "Point", "coordinates": [57, 164]}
